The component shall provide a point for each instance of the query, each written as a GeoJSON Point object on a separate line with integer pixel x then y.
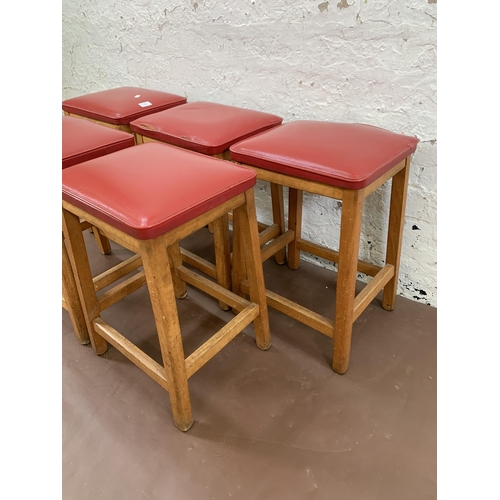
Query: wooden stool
{"type": "Point", "coordinates": [210, 128]}
{"type": "Point", "coordinates": [116, 108]}
{"type": "Point", "coordinates": [147, 198]}
{"type": "Point", "coordinates": [82, 141]}
{"type": "Point", "coordinates": [346, 162]}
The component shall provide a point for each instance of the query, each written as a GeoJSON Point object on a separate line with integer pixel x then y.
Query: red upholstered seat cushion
{"type": "Point", "coordinates": [340, 154]}
{"type": "Point", "coordinates": [83, 140]}
{"type": "Point", "coordinates": [205, 127]}
{"type": "Point", "coordinates": [152, 188]}
{"type": "Point", "coordinates": [121, 105]}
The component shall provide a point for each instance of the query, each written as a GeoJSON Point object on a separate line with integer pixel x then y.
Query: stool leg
{"type": "Point", "coordinates": [222, 255]}
{"type": "Point", "coordinates": [279, 217]}
{"type": "Point", "coordinates": [395, 233]}
{"type": "Point", "coordinates": [77, 253]}
{"type": "Point", "coordinates": [161, 291]}
{"type": "Point", "coordinates": [175, 260]}
{"type": "Point", "coordinates": [138, 138]}
{"type": "Point", "coordinates": [295, 197]}
{"type": "Point", "coordinates": [72, 300]}
{"type": "Point", "coordinates": [350, 233]}
{"type": "Point", "coordinates": [102, 242]}
{"type": "Point", "coordinates": [238, 269]}
{"type": "Point", "coordinates": [246, 218]}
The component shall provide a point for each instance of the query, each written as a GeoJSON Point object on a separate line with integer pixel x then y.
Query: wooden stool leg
{"type": "Point", "coordinates": [350, 233]}
{"type": "Point", "coordinates": [295, 197]}
{"type": "Point", "coordinates": [72, 300]}
{"type": "Point", "coordinates": [175, 260]}
{"type": "Point", "coordinates": [222, 255]}
{"type": "Point", "coordinates": [161, 290]}
{"type": "Point", "coordinates": [246, 218]}
{"type": "Point", "coordinates": [279, 217]}
{"type": "Point", "coordinates": [238, 269]}
{"type": "Point", "coordinates": [395, 233]}
{"type": "Point", "coordinates": [77, 253]}
{"type": "Point", "coordinates": [102, 242]}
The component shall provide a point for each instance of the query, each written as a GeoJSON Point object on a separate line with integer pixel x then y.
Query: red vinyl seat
{"type": "Point", "coordinates": [153, 188]}
{"type": "Point", "coordinates": [343, 161]}
{"type": "Point", "coordinates": [119, 106]}
{"type": "Point", "coordinates": [83, 140]}
{"type": "Point", "coordinates": [348, 155]}
{"type": "Point", "coordinates": [148, 198]}
{"type": "Point", "coordinates": [205, 127]}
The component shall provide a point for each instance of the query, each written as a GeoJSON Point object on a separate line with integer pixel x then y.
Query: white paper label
{"type": "Point", "coordinates": [144, 104]}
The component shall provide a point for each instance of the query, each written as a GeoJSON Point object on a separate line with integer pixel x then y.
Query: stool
{"type": "Point", "coordinates": [160, 194]}
{"type": "Point", "coordinates": [116, 108]}
{"type": "Point", "coordinates": [82, 141]}
{"type": "Point", "coordinates": [210, 128]}
{"type": "Point", "coordinates": [345, 162]}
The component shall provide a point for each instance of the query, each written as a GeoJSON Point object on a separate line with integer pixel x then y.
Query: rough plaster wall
{"type": "Point", "coordinates": [369, 61]}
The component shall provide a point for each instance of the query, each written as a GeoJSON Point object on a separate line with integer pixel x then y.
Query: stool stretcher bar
{"type": "Point", "coordinates": [296, 311]}
{"type": "Point", "coordinates": [227, 333]}
{"type": "Point", "coordinates": [333, 256]}
{"type": "Point", "coordinates": [71, 300]}
{"type": "Point", "coordinates": [199, 263]}
{"type": "Point", "coordinates": [130, 351]}
{"type": "Point", "coordinates": [118, 292]}
{"type": "Point", "coordinates": [269, 241]}
{"type": "Point", "coordinates": [115, 273]}
{"type": "Point", "coordinates": [211, 288]}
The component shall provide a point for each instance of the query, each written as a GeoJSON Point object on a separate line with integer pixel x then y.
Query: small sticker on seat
{"type": "Point", "coordinates": [144, 104]}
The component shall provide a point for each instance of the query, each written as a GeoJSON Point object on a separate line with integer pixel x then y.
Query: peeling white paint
{"type": "Point", "coordinates": [368, 61]}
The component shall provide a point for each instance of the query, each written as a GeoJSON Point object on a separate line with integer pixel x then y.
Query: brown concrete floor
{"type": "Point", "coordinates": [274, 425]}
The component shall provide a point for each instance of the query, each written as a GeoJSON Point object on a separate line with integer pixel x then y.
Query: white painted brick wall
{"type": "Point", "coordinates": [368, 61]}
